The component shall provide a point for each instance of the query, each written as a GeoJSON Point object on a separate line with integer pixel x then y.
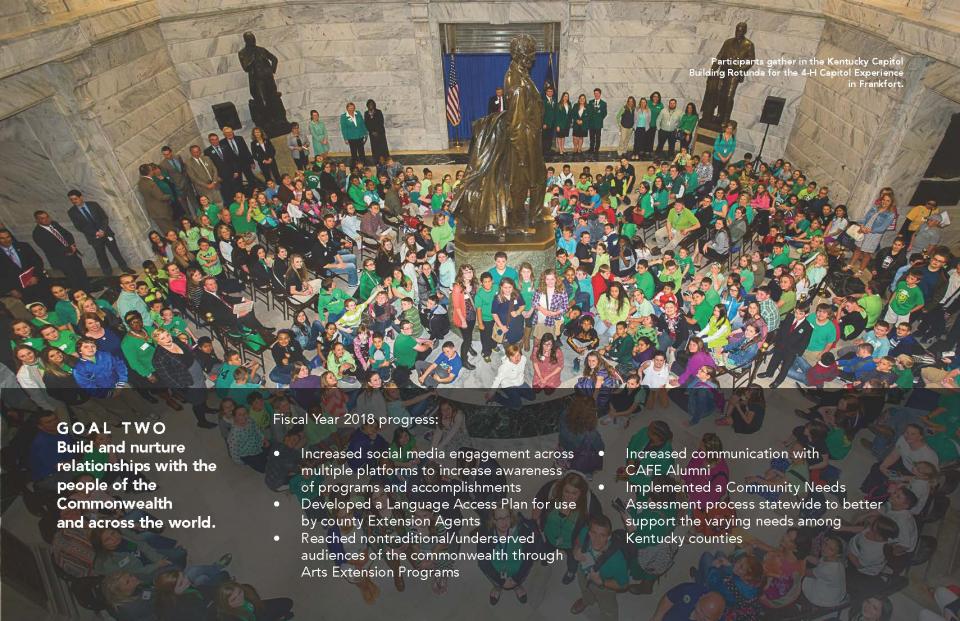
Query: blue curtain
{"type": "Point", "coordinates": [478, 76]}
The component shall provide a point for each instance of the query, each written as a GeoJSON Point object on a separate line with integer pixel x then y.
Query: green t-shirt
{"type": "Point", "coordinates": [203, 256]}
{"type": "Point", "coordinates": [872, 305]}
{"type": "Point", "coordinates": [404, 352]}
{"type": "Point", "coordinates": [702, 313]}
{"type": "Point", "coordinates": [682, 220]}
{"type": "Point", "coordinates": [224, 380]}
{"type": "Point", "coordinates": [746, 279]}
{"type": "Point", "coordinates": [822, 336]}
{"type": "Point", "coordinates": [675, 279]}
{"type": "Point", "coordinates": [711, 297]}
{"type": "Point", "coordinates": [905, 298]}
{"type": "Point", "coordinates": [782, 258]}
{"type": "Point", "coordinates": [508, 560]}
{"type": "Point", "coordinates": [645, 283]}
{"type": "Point", "coordinates": [66, 342]}
{"type": "Point", "coordinates": [789, 299]}
{"type": "Point", "coordinates": [483, 301]}
{"type": "Point", "coordinates": [331, 301]}
{"type": "Point", "coordinates": [139, 354]}
{"type": "Point", "coordinates": [614, 568]}
{"type": "Point", "coordinates": [558, 529]}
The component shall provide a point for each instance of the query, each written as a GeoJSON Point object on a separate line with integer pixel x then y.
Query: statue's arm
{"type": "Point", "coordinates": [245, 62]}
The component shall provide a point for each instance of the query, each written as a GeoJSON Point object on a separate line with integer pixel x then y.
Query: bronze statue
{"type": "Point", "coordinates": [722, 84]}
{"type": "Point", "coordinates": [503, 187]}
{"type": "Point", "coordinates": [266, 107]}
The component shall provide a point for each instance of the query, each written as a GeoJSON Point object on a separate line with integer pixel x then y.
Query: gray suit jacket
{"type": "Point", "coordinates": [179, 177]}
{"type": "Point", "coordinates": [156, 203]}
{"type": "Point", "coordinates": [201, 177]}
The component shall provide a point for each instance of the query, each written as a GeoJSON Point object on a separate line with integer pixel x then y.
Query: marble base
{"type": "Point", "coordinates": [539, 250]}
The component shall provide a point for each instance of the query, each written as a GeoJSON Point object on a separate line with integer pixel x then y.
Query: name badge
{"type": "Point", "coordinates": [145, 347]}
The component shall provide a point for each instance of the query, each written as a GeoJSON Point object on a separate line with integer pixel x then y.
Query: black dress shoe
{"type": "Point", "coordinates": [468, 366]}
{"type": "Point", "coordinates": [205, 424]}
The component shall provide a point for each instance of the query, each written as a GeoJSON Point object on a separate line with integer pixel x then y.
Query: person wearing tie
{"type": "Point", "coordinates": [89, 218]}
{"type": "Point", "coordinates": [230, 180]}
{"type": "Point", "coordinates": [791, 341]}
{"type": "Point", "coordinates": [497, 103]}
{"type": "Point", "coordinates": [598, 112]}
{"type": "Point", "coordinates": [16, 258]}
{"type": "Point", "coordinates": [550, 111]}
{"type": "Point", "coordinates": [299, 148]}
{"type": "Point", "coordinates": [173, 167]}
{"type": "Point", "coordinates": [242, 158]}
{"type": "Point", "coordinates": [203, 174]}
{"type": "Point", "coordinates": [354, 131]}
{"type": "Point", "coordinates": [60, 248]}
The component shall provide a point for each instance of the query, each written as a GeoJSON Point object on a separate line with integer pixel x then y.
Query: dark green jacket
{"type": "Point", "coordinates": [596, 116]}
{"type": "Point", "coordinates": [349, 131]}
{"type": "Point", "coordinates": [563, 118]}
{"type": "Point", "coordinates": [550, 113]}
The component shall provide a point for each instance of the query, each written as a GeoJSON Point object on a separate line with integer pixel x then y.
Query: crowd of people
{"type": "Point", "coordinates": [666, 281]}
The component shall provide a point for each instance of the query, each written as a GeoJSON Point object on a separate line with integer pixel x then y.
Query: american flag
{"type": "Point", "coordinates": [453, 95]}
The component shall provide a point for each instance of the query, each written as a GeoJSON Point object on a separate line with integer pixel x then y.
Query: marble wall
{"type": "Point", "coordinates": [858, 140]}
{"type": "Point", "coordinates": [328, 56]}
{"type": "Point", "coordinates": [101, 98]}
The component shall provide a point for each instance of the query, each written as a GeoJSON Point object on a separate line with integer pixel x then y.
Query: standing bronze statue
{"type": "Point", "coordinates": [734, 59]}
{"type": "Point", "coordinates": [266, 107]}
{"type": "Point", "coordinates": [502, 189]}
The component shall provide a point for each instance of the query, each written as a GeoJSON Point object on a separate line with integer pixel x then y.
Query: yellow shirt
{"type": "Point", "coordinates": [918, 216]}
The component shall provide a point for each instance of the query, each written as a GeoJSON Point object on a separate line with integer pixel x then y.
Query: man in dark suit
{"type": "Point", "coordinates": [217, 308]}
{"type": "Point", "coordinates": [242, 158]}
{"type": "Point", "coordinates": [792, 339]}
{"type": "Point", "coordinates": [90, 219]}
{"type": "Point", "coordinates": [16, 258]}
{"type": "Point", "coordinates": [292, 237]}
{"type": "Point", "coordinates": [598, 112]}
{"type": "Point", "coordinates": [60, 248]}
{"type": "Point", "coordinates": [497, 103]}
{"type": "Point", "coordinates": [226, 170]}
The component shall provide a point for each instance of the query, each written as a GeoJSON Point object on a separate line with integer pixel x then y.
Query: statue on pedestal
{"type": "Point", "coordinates": [735, 57]}
{"type": "Point", "coordinates": [503, 187]}
{"type": "Point", "coordinates": [266, 107]}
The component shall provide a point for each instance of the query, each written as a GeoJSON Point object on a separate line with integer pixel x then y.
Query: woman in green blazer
{"type": "Point", "coordinates": [562, 120]}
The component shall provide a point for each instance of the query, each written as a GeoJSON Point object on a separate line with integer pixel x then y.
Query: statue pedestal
{"type": "Point", "coordinates": [271, 118]}
{"type": "Point", "coordinates": [539, 250]}
{"type": "Point", "coordinates": [705, 138]}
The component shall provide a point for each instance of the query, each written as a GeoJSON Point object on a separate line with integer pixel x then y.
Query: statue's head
{"type": "Point", "coordinates": [249, 38]}
{"type": "Point", "coordinates": [523, 49]}
{"type": "Point", "coordinates": [741, 30]}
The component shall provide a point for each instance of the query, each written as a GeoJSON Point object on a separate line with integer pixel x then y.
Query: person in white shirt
{"type": "Point", "coordinates": [667, 123]}
{"type": "Point", "coordinates": [826, 585]}
{"type": "Point", "coordinates": [510, 387]}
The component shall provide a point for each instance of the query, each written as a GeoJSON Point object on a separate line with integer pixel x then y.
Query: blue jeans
{"type": "Point", "coordinates": [349, 270]}
{"type": "Point", "coordinates": [798, 370]}
{"type": "Point", "coordinates": [206, 575]}
{"type": "Point", "coordinates": [513, 396]}
{"type": "Point", "coordinates": [706, 564]}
